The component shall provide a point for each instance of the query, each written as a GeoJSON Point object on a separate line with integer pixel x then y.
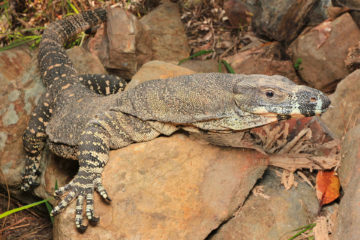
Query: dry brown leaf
{"type": "Point", "coordinates": [288, 179]}
{"type": "Point", "coordinates": [327, 187]}
{"type": "Point", "coordinates": [293, 162]}
{"type": "Point", "coordinates": [306, 179]}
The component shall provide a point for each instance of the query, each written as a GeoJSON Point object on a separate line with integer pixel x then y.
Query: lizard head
{"type": "Point", "coordinates": [277, 96]}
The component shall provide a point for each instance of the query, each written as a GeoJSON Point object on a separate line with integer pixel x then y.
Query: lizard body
{"type": "Point", "coordinates": [84, 123]}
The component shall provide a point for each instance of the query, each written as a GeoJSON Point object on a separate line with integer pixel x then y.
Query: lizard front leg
{"type": "Point", "coordinates": [102, 83]}
{"type": "Point", "coordinates": [34, 140]}
{"type": "Point", "coordinates": [111, 130]}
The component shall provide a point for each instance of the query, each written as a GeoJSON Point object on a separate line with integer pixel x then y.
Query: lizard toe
{"type": "Point", "coordinates": [101, 190]}
{"type": "Point", "coordinates": [90, 209]}
{"type": "Point", "coordinates": [65, 202]}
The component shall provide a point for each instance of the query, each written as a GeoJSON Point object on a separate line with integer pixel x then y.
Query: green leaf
{"type": "Point", "coordinates": [303, 230]}
{"type": "Point", "coordinates": [197, 54]}
{"type": "Point", "coordinates": [73, 7]}
{"type": "Point", "coordinates": [227, 65]}
{"type": "Point", "coordinates": [21, 41]}
{"type": "Point", "coordinates": [7, 213]}
{"type": "Point", "coordinates": [297, 64]}
{"type": "Point", "coordinates": [49, 208]}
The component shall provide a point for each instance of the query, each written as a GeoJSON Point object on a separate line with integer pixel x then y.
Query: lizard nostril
{"type": "Point", "coordinates": [313, 99]}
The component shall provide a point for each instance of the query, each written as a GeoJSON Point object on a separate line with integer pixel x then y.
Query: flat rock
{"type": "Point", "coordinates": [265, 59]}
{"type": "Point", "coordinates": [157, 70]}
{"type": "Point", "coordinates": [168, 188]}
{"type": "Point", "coordinates": [21, 88]}
{"type": "Point", "coordinates": [353, 6]}
{"type": "Point", "coordinates": [344, 114]}
{"type": "Point", "coordinates": [203, 66]}
{"type": "Point", "coordinates": [169, 41]}
{"type": "Point", "coordinates": [124, 47]}
{"type": "Point", "coordinates": [273, 214]}
{"type": "Point", "coordinates": [281, 20]}
{"type": "Point", "coordinates": [352, 61]}
{"type": "Point", "coordinates": [319, 12]}
{"type": "Point", "coordinates": [238, 13]}
{"type": "Point", "coordinates": [322, 52]}
{"type": "Point", "coordinates": [85, 62]}
{"type": "Point", "coordinates": [349, 209]}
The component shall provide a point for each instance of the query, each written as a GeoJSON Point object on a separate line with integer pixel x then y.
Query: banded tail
{"type": "Point", "coordinates": [53, 62]}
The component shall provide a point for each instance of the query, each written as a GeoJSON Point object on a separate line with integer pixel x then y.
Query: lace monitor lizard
{"type": "Point", "coordinates": [83, 117]}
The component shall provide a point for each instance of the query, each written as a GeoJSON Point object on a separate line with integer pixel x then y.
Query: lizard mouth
{"type": "Point", "coordinates": [288, 116]}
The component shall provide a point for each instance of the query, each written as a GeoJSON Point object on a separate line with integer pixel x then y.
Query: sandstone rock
{"type": "Point", "coordinates": [266, 59]}
{"type": "Point", "coordinates": [237, 12]}
{"type": "Point", "coordinates": [169, 42]}
{"type": "Point", "coordinates": [168, 188]}
{"type": "Point", "coordinates": [349, 209]}
{"type": "Point", "coordinates": [273, 215]}
{"type": "Point", "coordinates": [281, 20]}
{"type": "Point", "coordinates": [85, 62]}
{"type": "Point", "coordinates": [344, 114]}
{"type": "Point", "coordinates": [322, 52]}
{"type": "Point", "coordinates": [203, 66]}
{"type": "Point", "coordinates": [20, 90]}
{"type": "Point", "coordinates": [356, 16]}
{"type": "Point", "coordinates": [352, 61]}
{"type": "Point", "coordinates": [121, 47]}
{"type": "Point", "coordinates": [319, 12]}
{"type": "Point", "coordinates": [157, 70]}
{"type": "Point", "coordinates": [353, 6]}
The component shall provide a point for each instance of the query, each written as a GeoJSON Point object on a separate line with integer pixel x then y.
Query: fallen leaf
{"type": "Point", "coordinates": [288, 179]}
{"type": "Point", "coordinates": [327, 187]}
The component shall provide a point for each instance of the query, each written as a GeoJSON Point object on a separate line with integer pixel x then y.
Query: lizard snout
{"type": "Point", "coordinates": [321, 103]}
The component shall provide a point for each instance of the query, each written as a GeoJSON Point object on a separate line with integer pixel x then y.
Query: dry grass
{"type": "Point", "coordinates": [27, 224]}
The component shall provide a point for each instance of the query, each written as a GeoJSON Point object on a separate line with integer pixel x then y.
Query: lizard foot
{"type": "Point", "coordinates": [81, 188]}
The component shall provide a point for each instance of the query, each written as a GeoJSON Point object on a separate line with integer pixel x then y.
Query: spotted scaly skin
{"type": "Point", "coordinates": [86, 126]}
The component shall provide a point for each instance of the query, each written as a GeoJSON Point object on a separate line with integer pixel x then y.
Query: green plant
{"type": "Point", "coordinates": [297, 64]}
{"type": "Point", "coordinates": [227, 66]}
{"type": "Point", "coordinates": [7, 213]}
{"type": "Point", "coordinates": [197, 54]}
{"type": "Point", "coordinates": [18, 38]}
{"type": "Point", "coordinates": [302, 230]}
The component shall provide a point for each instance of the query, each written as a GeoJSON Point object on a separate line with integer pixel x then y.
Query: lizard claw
{"type": "Point", "coordinates": [82, 228]}
{"type": "Point", "coordinates": [100, 188]}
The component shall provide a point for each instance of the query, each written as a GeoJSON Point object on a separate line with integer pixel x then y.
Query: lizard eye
{"type": "Point", "coordinates": [269, 93]}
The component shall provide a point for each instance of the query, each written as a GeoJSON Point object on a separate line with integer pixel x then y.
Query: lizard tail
{"type": "Point", "coordinates": [54, 64]}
